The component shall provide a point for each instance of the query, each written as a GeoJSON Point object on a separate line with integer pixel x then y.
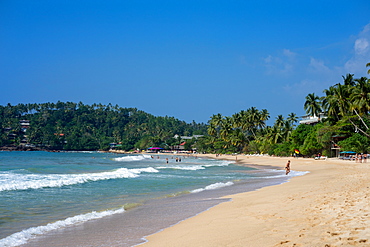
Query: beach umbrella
{"type": "Point", "coordinates": [347, 152]}
{"type": "Point", "coordinates": [155, 148]}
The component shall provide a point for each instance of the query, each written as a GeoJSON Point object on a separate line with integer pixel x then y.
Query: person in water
{"type": "Point", "coordinates": [287, 168]}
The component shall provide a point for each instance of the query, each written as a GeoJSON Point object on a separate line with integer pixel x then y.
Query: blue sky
{"type": "Point", "coordinates": [187, 59]}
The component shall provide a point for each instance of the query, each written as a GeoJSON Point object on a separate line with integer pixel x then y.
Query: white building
{"type": "Point", "coordinates": [312, 119]}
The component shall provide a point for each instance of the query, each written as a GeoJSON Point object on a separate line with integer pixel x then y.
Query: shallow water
{"type": "Point", "coordinates": [63, 198]}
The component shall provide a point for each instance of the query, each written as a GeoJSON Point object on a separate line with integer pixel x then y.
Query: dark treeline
{"type": "Point", "coordinates": [76, 126]}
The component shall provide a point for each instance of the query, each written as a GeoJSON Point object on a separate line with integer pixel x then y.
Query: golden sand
{"type": "Point", "coordinates": [330, 206]}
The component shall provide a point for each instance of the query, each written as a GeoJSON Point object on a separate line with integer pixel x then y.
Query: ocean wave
{"type": "Point", "coordinates": [219, 163]}
{"type": "Point", "coordinates": [212, 187]}
{"type": "Point", "coordinates": [15, 181]}
{"type": "Point", "coordinates": [22, 237]}
{"type": "Point", "coordinates": [132, 158]}
{"type": "Point", "coordinates": [193, 167]}
{"type": "Point", "coordinates": [281, 174]}
{"type": "Point", "coordinates": [184, 167]}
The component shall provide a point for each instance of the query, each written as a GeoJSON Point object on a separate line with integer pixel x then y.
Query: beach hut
{"type": "Point", "coordinates": [347, 155]}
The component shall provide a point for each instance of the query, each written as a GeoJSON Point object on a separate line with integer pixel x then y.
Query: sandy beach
{"type": "Point", "coordinates": [328, 207]}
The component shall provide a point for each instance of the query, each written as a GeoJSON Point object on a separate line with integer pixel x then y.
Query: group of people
{"type": "Point", "coordinates": [177, 159]}
{"type": "Point", "coordinates": [361, 158]}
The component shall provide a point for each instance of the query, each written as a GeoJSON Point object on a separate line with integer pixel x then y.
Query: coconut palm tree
{"type": "Point", "coordinates": [226, 128]}
{"type": "Point", "coordinates": [312, 105]}
{"type": "Point", "coordinates": [292, 118]}
{"type": "Point", "coordinates": [348, 80]}
{"type": "Point", "coordinates": [342, 93]}
{"type": "Point", "coordinates": [279, 122]}
{"type": "Point", "coordinates": [214, 124]}
{"type": "Point", "coordinates": [287, 130]}
{"type": "Point", "coordinates": [360, 96]}
{"type": "Point", "coordinates": [368, 65]}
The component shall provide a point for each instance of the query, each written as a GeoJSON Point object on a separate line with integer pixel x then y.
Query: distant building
{"type": "Point", "coordinates": [25, 124]}
{"type": "Point", "coordinates": [188, 137]}
{"type": "Point", "coordinates": [312, 119]}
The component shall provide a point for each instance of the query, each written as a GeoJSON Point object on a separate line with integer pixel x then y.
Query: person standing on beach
{"type": "Point", "coordinates": [287, 168]}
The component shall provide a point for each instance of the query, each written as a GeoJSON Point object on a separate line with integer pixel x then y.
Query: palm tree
{"type": "Point", "coordinates": [342, 96]}
{"type": "Point", "coordinates": [287, 130]}
{"type": "Point", "coordinates": [360, 96]}
{"type": "Point", "coordinates": [273, 134]}
{"type": "Point", "coordinates": [348, 80]}
{"type": "Point", "coordinates": [226, 128]}
{"type": "Point", "coordinates": [292, 118]}
{"type": "Point", "coordinates": [312, 105]}
{"type": "Point", "coordinates": [265, 115]}
{"type": "Point", "coordinates": [279, 122]}
{"type": "Point", "coordinates": [368, 65]}
{"type": "Point", "coordinates": [216, 119]}
{"type": "Point", "coordinates": [214, 124]}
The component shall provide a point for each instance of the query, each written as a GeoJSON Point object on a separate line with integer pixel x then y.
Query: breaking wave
{"type": "Point", "coordinates": [132, 158]}
{"type": "Point", "coordinates": [213, 187]}
{"type": "Point", "coordinates": [22, 237]}
{"type": "Point", "coordinates": [15, 181]}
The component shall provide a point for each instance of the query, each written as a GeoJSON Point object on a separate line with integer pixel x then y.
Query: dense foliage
{"type": "Point", "coordinates": [71, 126]}
{"type": "Point", "coordinates": [342, 121]}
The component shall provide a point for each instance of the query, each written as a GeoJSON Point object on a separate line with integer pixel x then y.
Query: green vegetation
{"type": "Point", "coordinates": [341, 119]}
{"type": "Point", "coordinates": [71, 126]}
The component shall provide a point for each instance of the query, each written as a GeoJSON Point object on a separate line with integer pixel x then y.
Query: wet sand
{"type": "Point", "coordinates": [330, 206]}
{"type": "Point", "coordinates": [129, 228]}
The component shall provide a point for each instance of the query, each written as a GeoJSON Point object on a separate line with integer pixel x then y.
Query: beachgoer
{"type": "Point", "coordinates": [287, 168]}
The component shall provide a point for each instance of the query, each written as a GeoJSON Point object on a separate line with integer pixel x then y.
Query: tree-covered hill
{"type": "Point", "coordinates": [76, 126]}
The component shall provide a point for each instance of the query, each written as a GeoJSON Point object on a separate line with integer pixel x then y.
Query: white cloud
{"type": "Point", "coordinates": [361, 46]}
{"type": "Point", "coordinates": [304, 87]}
{"type": "Point", "coordinates": [318, 66]}
{"type": "Point", "coordinates": [283, 64]}
{"type": "Point", "coordinates": [361, 55]}
{"type": "Point", "coordinates": [289, 54]}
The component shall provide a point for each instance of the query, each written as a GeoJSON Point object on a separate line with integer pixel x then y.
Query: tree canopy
{"type": "Point", "coordinates": [76, 126]}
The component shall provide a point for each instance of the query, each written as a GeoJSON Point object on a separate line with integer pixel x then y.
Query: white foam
{"type": "Point", "coordinates": [222, 163]}
{"type": "Point", "coordinates": [281, 174]}
{"type": "Point", "coordinates": [213, 187]}
{"type": "Point", "coordinates": [22, 237]}
{"type": "Point", "coordinates": [185, 167]}
{"type": "Point", "coordinates": [14, 181]}
{"type": "Point", "coordinates": [132, 158]}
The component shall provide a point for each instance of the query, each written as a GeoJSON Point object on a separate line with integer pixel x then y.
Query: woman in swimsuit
{"type": "Point", "coordinates": [287, 168]}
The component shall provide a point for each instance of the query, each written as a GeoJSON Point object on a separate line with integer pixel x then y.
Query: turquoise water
{"type": "Point", "coordinates": [44, 191]}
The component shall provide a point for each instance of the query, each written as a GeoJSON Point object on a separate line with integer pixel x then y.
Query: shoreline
{"type": "Point", "coordinates": [112, 231]}
{"type": "Point", "coordinates": [329, 206]}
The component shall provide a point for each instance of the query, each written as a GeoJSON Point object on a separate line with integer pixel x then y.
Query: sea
{"type": "Point", "coordinates": [108, 199]}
